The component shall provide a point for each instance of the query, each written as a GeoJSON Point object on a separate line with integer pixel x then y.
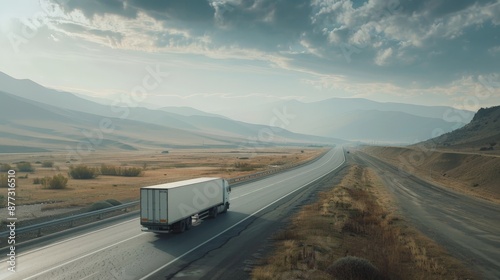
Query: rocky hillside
{"type": "Point", "coordinates": [481, 134]}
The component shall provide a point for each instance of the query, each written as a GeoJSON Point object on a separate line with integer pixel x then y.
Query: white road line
{"type": "Point", "coordinates": [229, 228]}
{"type": "Point", "coordinates": [109, 246]}
{"type": "Point", "coordinates": [76, 237]}
{"type": "Point", "coordinates": [84, 256]}
{"type": "Point", "coordinates": [256, 190]}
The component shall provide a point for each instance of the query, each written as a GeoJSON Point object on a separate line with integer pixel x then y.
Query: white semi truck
{"type": "Point", "coordinates": [170, 207]}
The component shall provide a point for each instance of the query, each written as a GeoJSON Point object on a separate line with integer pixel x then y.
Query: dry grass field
{"type": "Point", "coordinates": [157, 167]}
{"type": "Point", "coordinates": [356, 224]}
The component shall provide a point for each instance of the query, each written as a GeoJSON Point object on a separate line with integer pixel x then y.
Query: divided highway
{"type": "Point", "coordinates": [122, 251]}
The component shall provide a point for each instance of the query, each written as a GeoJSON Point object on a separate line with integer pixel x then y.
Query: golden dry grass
{"type": "Point", "coordinates": [356, 218]}
{"type": "Point", "coordinates": [158, 168]}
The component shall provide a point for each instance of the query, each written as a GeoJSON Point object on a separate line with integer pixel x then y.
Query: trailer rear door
{"type": "Point", "coordinates": [154, 206]}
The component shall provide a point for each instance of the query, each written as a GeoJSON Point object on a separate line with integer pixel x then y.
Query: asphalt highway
{"type": "Point", "coordinates": [467, 227]}
{"type": "Point", "coordinates": [211, 250]}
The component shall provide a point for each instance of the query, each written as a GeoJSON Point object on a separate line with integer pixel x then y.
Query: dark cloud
{"type": "Point", "coordinates": [438, 8]}
{"type": "Point", "coordinates": [181, 10]}
{"type": "Point", "coordinates": [266, 24]}
{"type": "Point", "coordinates": [99, 7]}
{"type": "Point", "coordinates": [403, 40]}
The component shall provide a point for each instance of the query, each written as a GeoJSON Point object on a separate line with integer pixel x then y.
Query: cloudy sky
{"type": "Point", "coordinates": [215, 54]}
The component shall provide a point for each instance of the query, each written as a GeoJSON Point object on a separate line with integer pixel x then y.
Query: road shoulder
{"type": "Point", "coordinates": [357, 217]}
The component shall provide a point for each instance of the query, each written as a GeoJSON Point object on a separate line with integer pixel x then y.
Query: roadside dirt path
{"type": "Point", "coordinates": [467, 227]}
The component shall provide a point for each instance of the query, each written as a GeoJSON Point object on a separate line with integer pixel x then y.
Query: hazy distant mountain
{"type": "Point", "coordinates": [360, 119]}
{"type": "Point", "coordinates": [35, 117]}
{"type": "Point", "coordinates": [188, 112]}
{"type": "Point", "coordinates": [483, 132]}
{"type": "Point", "coordinates": [33, 124]}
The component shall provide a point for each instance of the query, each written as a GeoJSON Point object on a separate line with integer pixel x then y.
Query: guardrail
{"type": "Point", "coordinates": [253, 176]}
{"type": "Point", "coordinates": [70, 220]}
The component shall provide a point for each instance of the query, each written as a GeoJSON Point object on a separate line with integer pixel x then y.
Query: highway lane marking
{"type": "Point", "coordinates": [250, 216]}
{"type": "Point", "coordinates": [84, 256]}
{"type": "Point", "coordinates": [256, 190]}
{"type": "Point", "coordinates": [106, 228]}
{"type": "Point", "coordinates": [73, 238]}
{"type": "Point", "coordinates": [109, 246]}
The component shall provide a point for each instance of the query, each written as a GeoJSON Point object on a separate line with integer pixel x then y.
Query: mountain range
{"type": "Point", "coordinates": [358, 119]}
{"type": "Point", "coordinates": [35, 118]}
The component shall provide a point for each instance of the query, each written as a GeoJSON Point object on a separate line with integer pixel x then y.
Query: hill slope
{"type": "Point", "coordinates": [465, 159]}
{"type": "Point", "coordinates": [482, 133]}
{"type": "Point", "coordinates": [31, 126]}
{"type": "Point", "coordinates": [206, 127]}
{"type": "Point", "coordinates": [28, 123]}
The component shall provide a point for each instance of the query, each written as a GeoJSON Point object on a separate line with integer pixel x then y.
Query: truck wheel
{"type": "Point", "coordinates": [180, 226]}
{"type": "Point", "coordinates": [225, 208]}
{"type": "Point", "coordinates": [189, 223]}
{"type": "Point", "coordinates": [213, 212]}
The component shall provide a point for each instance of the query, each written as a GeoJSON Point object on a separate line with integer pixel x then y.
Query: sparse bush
{"type": "Point", "coordinates": [354, 268]}
{"type": "Point", "coordinates": [164, 152]}
{"type": "Point", "coordinates": [3, 181]}
{"type": "Point", "coordinates": [4, 167]}
{"type": "Point", "coordinates": [25, 167]}
{"type": "Point", "coordinates": [55, 182]}
{"type": "Point", "coordinates": [113, 202]}
{"type": "Point", "coordinates": [38, 181]}
{"type": "Point", "coordinates": [120, 171]}
{"type": "Point", "coordinates": [47, 164]}
{"type": "Point", "coordinates": [83, 172]}
{"type": "Point", "coordinates": [99, 205]}
{"type": "Point", "coordinates": [131, 172]}
{"type": "Point", "coordinates": [243, 166]}
{"type": "Point", "coordinates": [109, 170]}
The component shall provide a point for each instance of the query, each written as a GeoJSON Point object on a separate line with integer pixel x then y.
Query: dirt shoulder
{"type": "Point", "coordinates": [356, 218]}
{"type": "Point", "coordinates": [472, 174]}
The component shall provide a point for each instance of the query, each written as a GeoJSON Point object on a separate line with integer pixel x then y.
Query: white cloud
{"type": "Point", "coordinates": [494, 51]}
{"type": "Point", "coordinates": [383, 56]}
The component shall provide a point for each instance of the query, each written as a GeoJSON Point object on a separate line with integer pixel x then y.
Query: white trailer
{"type": "Point", "coordinates": [171, 207]}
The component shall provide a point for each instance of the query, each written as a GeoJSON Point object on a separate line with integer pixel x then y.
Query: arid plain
{"type": "Point", "coordinates": [158, 167]}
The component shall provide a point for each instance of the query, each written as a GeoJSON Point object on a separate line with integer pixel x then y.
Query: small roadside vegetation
{"type": "Point", "coordinates": [83, 172]}
{"type": "Point", "coordinates": [5, 167]}
{"type": "Point", "coordinates": [245, 166]}
{"type": "Point", "coordinates": [3, 180]}
{"type": "Point", "coordinates": [121, 171]}
{"type": "Point", "coordinates": [103, 205]}
{"type": "Point", "coordinates": [48, 164]}
{"type": "Point", "coordinates": [56, 182]}
{"type": "Point", "coordinates": [25, 167]}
